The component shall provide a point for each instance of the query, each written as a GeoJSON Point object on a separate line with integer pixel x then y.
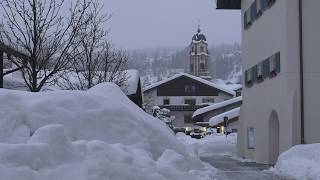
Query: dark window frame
{"type": "Point", "coordinates": [166, 101]}
{"type": "Point", "coordinates": [192, 102]}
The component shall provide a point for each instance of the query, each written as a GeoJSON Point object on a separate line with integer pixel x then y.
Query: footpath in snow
{"type": "Point", "coordinates": [220, 151]}
{"type": "Point", "coordinates": [97, 134]}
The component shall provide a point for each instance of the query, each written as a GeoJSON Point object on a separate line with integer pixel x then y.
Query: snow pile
{"type": "Point", "coordinates": [300, 162]}
{"type": "Point", "coordinates": [133, 79]}
{"type": "Point", "coordinates": [97, 134]}
{"type": "Point", "coordinates": [215, 144]}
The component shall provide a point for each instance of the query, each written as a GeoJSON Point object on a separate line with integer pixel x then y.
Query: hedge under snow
{"type": "Point", "coordinates": [97, 134]}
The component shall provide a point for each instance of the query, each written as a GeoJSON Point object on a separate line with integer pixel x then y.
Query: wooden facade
{"type": "Point", "coordinates": [185, 86]}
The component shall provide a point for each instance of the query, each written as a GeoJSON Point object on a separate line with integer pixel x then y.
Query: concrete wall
{"type": "Point", "coordinates": [311, 46]}
{"type": "Point", "coordinates": [276, 30]}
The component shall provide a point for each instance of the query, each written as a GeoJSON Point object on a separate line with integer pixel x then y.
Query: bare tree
{"type": "Point", "coordinates": [45, 32]}
{"type": "Point", "coordinates": [95, 59]}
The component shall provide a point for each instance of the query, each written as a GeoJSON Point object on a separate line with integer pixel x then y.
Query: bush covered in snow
{"type": "Point", "coordinates": [300, 162]}
{"type": "Point", "coordinates": [97, 134]}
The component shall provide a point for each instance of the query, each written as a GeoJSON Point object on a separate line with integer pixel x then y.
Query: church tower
{"type": "Point", "coordinates": [199, 56]}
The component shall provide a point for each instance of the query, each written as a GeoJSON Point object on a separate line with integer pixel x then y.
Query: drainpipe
{"type": "Point", "coordinates": [301, 72]}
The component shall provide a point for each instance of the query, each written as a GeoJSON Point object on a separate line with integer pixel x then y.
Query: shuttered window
{"type": "Point", "coordinates": [253, 10]}
{"type": "Point", "coordinates": [277, 62]}
{"type": "Point", "coordinates": [266, 68]}
{"type": "Point", "coordinates": [245, 20]}
{"type": "Point", "coordinates": [260, 72]}
{"type": "Point", "coordinates": [254, 74]}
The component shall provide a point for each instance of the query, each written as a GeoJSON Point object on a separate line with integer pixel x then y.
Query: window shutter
{"type": "Point", "coordinates": [260, 72]}
{"type": "Point", "coordinates": [245, 20]}
{"type": "Point", "coordinates": [259, 8]}
{"type": "Point", "coordinates": [253, 10]}
{"type": "Point", "coordinates": [272, 63]}
{"type": "Point", "coordinates": [266, 68]}
{"type": "Point", "coordinates": [254, 73]}
{"type": "Point", "coordinates": [249, 20]}
{"type": "Point", "coordinates": [264, 4]}
{"type": "Point", "coordinates": [277, 62]}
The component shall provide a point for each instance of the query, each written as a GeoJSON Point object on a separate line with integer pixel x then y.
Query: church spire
{"type": "Point", "coordinates": [199, 30]}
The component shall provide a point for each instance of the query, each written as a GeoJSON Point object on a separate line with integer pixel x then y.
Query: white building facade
{"type": "Point", "coordinates": [281, 85]}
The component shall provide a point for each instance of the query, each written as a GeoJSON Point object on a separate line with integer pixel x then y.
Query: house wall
{"type": "Point", "coordinates": [179, 118]}
{"type": "Point", "coordinates": [275, 31]}
{"type": "Point", "coordinates": [151, 99]}
{"type": "Point", "coordinates": [311, 42]}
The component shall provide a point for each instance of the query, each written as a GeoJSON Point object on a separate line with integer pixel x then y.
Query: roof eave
{"type": "Point", "coordinates": [229, 4]}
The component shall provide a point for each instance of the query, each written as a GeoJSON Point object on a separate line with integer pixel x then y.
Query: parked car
{"type": "Point", "coordinates": [179, 129]}
{"type": "Point", "coordinates": [198, 134]}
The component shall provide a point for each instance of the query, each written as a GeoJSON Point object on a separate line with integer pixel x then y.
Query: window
{"type": "Point", "coordinates": [248, 17]}
{"type": "Point", "coordinates": [202, 66]}
{"type": "Point", "coordinates": [192, 49]}
{"type": "Point", "coordinates": [260, 72]}
{"type": "Point", "coordinates": [251, 138]}
{"type": "Point", "coordinates": [271, 2]}
{"type": "Point", "coordinates": [266, 68]}
{"type": "Point", "coordinates": [255, 11]}
{"type": "Point", "coordinates": [166, 101]}
{"type": "Point", "coordinates": [275, 64]}
{"type": "Point", "coordinates": [248, 77]}
{"type": "Point", "coordinates": [188, 119]}
{"type": "Point", "coordinates": [208, 100]}
{"type": "Point", "coordinates": [264, 4]}
{"type": "Point", "coordinates": [201, 49]}
{"type": "Point", "coordinates": [190, 102]}
{"type": "Point", "coordinates": [189, 89]}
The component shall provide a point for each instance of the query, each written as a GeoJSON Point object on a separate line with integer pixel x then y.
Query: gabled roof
{"type": "Point", "coordinates": [192, 77]}
{"type": "Point", "coordinates": [216, 106]}
{"type": "Point", "coordinates": [220, 118]}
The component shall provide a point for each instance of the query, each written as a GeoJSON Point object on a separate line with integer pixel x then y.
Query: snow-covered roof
{"type": "Point", "coordinates": [233, 87]}
{"type": "Point", "coordinates": [133, 81]}
{"type": "Point", "coordinates": [202, 53]}
{"type": "Point", "coordinates": [192, 77]}
{"type": "Point", "coordinates": [220, 118]}
{"type": "Point", "coordinates": [216, 106]}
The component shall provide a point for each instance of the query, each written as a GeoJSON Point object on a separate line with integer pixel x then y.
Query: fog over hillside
{"type": "Point", "coordinates": [156, 64]}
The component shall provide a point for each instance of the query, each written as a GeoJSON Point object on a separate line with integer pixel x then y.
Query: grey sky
{"type": "Point", "coordinates": [158, 23]}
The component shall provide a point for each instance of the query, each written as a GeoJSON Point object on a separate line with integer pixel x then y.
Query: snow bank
{"type": "Point", "coordinates": [215, 144]}
{"type": "Point", "coordinates": [97, 134]}
{"type": "Point", "coordinates": [300, 162]}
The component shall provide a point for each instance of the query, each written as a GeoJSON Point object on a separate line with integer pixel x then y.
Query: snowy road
{"type": "Point", "coordinates": [230, 169]}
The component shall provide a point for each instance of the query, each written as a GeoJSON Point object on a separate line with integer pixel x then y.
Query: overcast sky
{"type": "Point", "coordinates": [137, 24]}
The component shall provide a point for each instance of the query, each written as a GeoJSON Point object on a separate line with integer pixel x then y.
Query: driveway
{"type": "Point", "coordinates": [230, 169]}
